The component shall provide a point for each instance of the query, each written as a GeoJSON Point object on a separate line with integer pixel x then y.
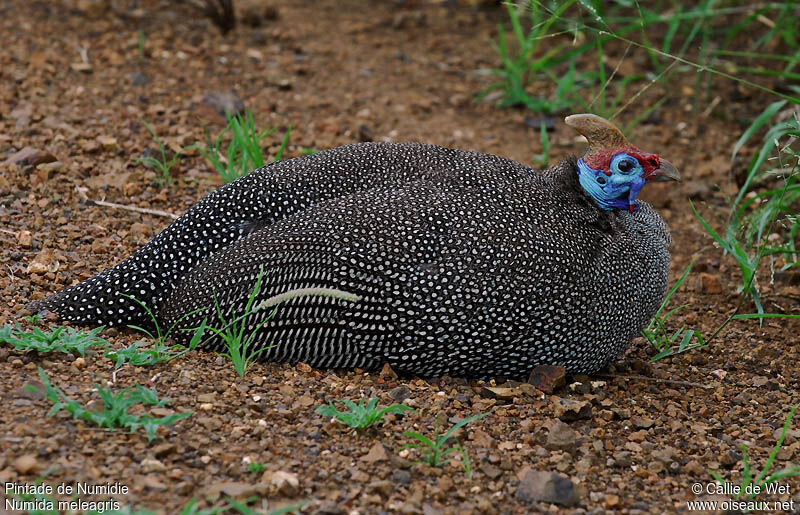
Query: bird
{"type": "Point", "coordinates": [435, 260]}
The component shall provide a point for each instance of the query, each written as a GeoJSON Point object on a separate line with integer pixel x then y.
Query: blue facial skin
{"type": "Point", "coordinates": [619, 190]}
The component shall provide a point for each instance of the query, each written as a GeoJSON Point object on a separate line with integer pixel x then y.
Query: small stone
{"type": "Point", "coordinates": [376, 453]}
{"type": "Point", "coordinates": [152, 465]}
{"type": "Point", "coordinates": [642, 422]}
{"type": "Point", "coordinates": [382, 487]}
{"type": "Point", "coordinates": [210, 423]}
{"type": "Point", "coordinates": [562, 437]}
{"type": "Point", "coordinates": [623, 458]}
{"type": "Point", "coordinates": [401, 476]}
{"type": "Point", "coordinates": [206, 397]}
{"type": "Point", "coordinates": [611, 501]}
{"type": "Point", "coordinates": [710, 284]}
{"type": "Point", "coordinates": [303, 367]}
{"type": "Point", "coordinates": [79, 363]}
{"type": "Point", "coordinates": [538, 486]}
{"type": "Point", "coordinates": [25, 239]}
{"type": "Point", "coordinates": [491, 471]}
{"type": "Point", "coordinates": [26, 464]}
{"type": "Point", "coordinates": [285, 482]}
{"type": "Point", "coordinates": [81, 67]}
{"type": "Point", "coordinates": [108, 142]}
{"type": "Point", "coordinates": [387, 371]}
{"type": "Point", "coordinates": [548, 378]}
{"type": "Point", "coordinates": [224, 103]}
{"type": "Point", "coordinates": [138, 78]}
{"type": "Point", "coordinates": [233, 489]}
{"type": "Point", "coordinates": [400, 393]}
{"type": "Point", "coordinates": [164, 449]}
{"type": "Point", "coordinates": [569, 410]}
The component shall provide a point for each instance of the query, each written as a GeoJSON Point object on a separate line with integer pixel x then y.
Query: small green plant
{"type": "Point", "coordinates": [761, 482]}
{"type": "Point", "coordinates": [162, 165]}
{"type": "Point", "coordinates": [521, 67]}
{"type": "Point", "coordinates": [752, 220]}
{"type": "Point", "coordinates": [656, 332]}
{"type": "Point", "coordinates": [361, 415]}
{"type": "Point", "coordinates": [141, 40]}
{"type": "Point", "coordinates": [544, 158]}
{"type": "Point", "coordinates": [160, 352]}
{"type": "Point", "coordinates": [115, 407]}
{"type": "Point", "coordinates": [435, 450]}
{"type": "Point", "coordinates": [256, 468]}
{"type": "Point", "coordinates": [232, 333]}
{"type": "Point", "coordinates": [62, 339]}
{"type": "Point", "coordinates": [33, 319]}
{"type": "Point", "coordinates": [243, 153]}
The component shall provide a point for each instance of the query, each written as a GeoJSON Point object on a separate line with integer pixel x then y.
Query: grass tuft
{"type": "Point", "coordinates": [61, 339]}
{"type": "Point", "coordinates": [115, 407]}
{"type": "Point", "coordinates": [361, 415]}
{"type": "Point", "coordinates": [434, 451]}
{"type": "Point", "coordinates": [243, 152]}
{"type": "Point", "coordinates": [664, 342]}
{"type": "Point", "coordinates": [754, 485]}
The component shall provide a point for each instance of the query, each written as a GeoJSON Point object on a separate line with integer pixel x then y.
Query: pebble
{"type": "Point", "coordinates": [285, 482]}
{"type": "Point", "coordinates": [400, 393]}
{"type": "Point", "coordinates": [26, 464]}
{"type": "Point", "coordinates": [561, 437]}
{"type": "Point", "coordinates": [539, 486]}
{"type": "Point", "coordinates": [569, 410]}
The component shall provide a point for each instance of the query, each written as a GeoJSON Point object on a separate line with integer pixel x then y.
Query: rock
{"type": "Point", "coordinates": [376, 453]}
{"type": "Point", "coordinates": [206, 397]}
{"type": "Point", "coordinates": [286, 483]}
{"type": "Point", "coordinates": [151, 465]}
{"type": "Point", "coordinates": [79, 363]}
{"type": "Point", "coordinates": [25, 239]}
{"type": "Point", "coordinates": [642, 422]}
{"type": "Point", "coordinates": [491, 471]}
{"type": "Point", "coordinates": [138, 78]}
{"type": "Point", "coordinates": [538, 486]}
{"type": "Point", "coordinates": [548, 378]}
{"type": "Point", "coordinates": [26, 464]}
{"type": "Point", "coordinates": [164, 449]}
{"type": "Point", "coordinates": [561, 436]}
{"type": "Point", "coordinates": [45, 261]}
{"type": "Point", "coordinates": [224, 103]}
{"type": "Point", "coordinates": [400, 393]}
{"type": "Point", "coordinates": [710, 284]}
{"type": "Point", "coordinates": [233, 489]}
{"type": "Point", "coordinates": [210, 423]}
{"type": "Point", "coordinates": [82, 67]}
{"type": "Point", "coordinates": [401, 476]}
{"type": "Point", "coordinates": [30, 156]}
{"type": "Point", "coordinates": [48, 168]}
{"type": "Point", "coordinates": [623, 458]}
{"type": "Point", "coordinates": [108, 142]}
{"type": "Point", "coordinates": [382, 487]}
{"type": "Point", "coordinates": [386, 371]}
{"type": "Point", "coordinates": [569, 410]}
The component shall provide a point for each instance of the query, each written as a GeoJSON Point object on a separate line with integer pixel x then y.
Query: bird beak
{"type": "Point", "coordinates": [665, 172]}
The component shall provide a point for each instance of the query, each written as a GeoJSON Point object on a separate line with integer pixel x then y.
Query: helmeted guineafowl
{"type": "Point", "coordinates": [458, 262]}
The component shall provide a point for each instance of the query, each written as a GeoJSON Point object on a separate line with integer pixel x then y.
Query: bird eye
{"type": "Point", "coordinates": [625, 165]}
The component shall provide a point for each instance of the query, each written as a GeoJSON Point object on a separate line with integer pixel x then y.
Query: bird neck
{"type": "Point", "coordinates": [608, 195]}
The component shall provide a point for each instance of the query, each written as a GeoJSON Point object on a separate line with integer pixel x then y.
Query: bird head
{"type": "Point", "coordinates": [613, 171]}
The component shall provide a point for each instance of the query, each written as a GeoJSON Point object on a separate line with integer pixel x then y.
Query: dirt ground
{"type": "Point", "coordinates": [75, 85]}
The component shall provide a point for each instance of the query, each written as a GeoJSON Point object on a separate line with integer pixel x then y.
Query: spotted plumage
{"type": "Point", "coordinates": [463, 263]}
